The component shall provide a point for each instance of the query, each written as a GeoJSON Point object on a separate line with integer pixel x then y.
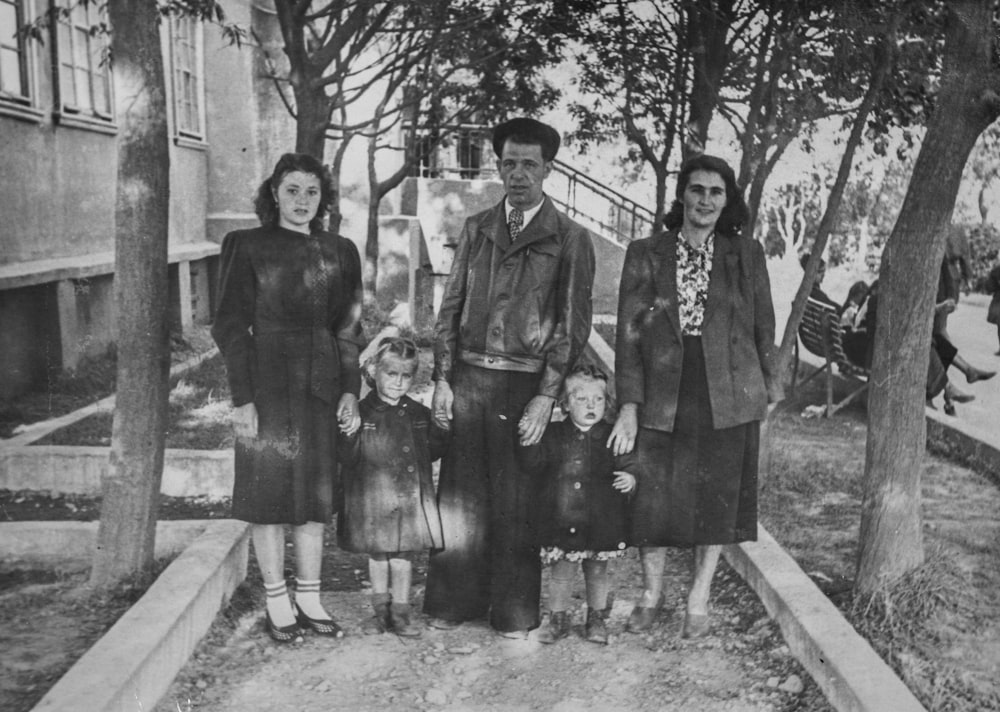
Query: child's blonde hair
{"type": "Point", "coordinates": [399, 346]}
{"type": "Point", "coordinates": [584, 371]}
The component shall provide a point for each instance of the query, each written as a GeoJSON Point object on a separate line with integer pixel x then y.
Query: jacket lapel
{"type": "Point", "coordinates": [663, 256]}
{"type": "Point", "coordinates": [494, 227]}
{"type": "Point", "coordinates": [541, 226]}
{"type": "Point", "coordinates": [724, 279]}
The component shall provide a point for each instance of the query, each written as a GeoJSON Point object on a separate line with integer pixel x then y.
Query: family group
{"type": "Point", "coordinates": [518, 488]}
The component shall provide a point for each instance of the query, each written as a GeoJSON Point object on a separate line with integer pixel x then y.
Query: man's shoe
{"type": "Point", "coordinates": [513, 634]}
{"type": "Point", "coordinates": [443, 623]}
{"type": "Point", "coordinates": [953, 394]}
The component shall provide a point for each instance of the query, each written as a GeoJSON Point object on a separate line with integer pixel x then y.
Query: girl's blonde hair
{"type": "Point", "coordinates": [398, 346]}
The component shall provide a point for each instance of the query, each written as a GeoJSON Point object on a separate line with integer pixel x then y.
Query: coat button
{"type": "Point", "coordinates": [572, 530]}
{"type": "Point", "coordinates": [496, 331]}
{"type": "Point", "coordinates": [490, 360]}
{"type": "Point", "coordinates": [579, 436]}
{"type": "Point", "coordinates": [406, 448]}
{"type": "Point", "coordinates": [621, 545]}
{"type": "Point", "coordinates": [577, 485]}
{"type": "Point", "coordinates": [409, 468]}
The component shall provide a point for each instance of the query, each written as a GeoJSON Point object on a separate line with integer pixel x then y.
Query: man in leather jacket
{"type": "Point", "coordinates": [514, 318]}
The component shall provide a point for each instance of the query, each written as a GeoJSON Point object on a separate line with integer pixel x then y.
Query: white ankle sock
{"type": "Point", "coordinates": [279, 605]}
{"type": "Point", "coordinates": [307, 598]}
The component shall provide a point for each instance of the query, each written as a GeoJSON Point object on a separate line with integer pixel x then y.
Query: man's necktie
{"type": "Point", "coordinates": [515, 221]}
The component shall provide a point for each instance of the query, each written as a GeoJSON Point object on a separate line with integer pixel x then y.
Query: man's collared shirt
{"type": "Point", "coordinates": [528, 214]}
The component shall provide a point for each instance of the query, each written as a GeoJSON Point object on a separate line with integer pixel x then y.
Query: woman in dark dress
{"type": "Point", "coordinates": [694, 354]}
{"type": "Point", "coordinates": [288, 326]}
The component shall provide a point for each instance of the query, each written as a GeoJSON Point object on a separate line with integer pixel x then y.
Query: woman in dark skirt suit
{"type": "Point", "coordinates": [694, 353]}
{"type": "Point", "coordinates": [288, 326]}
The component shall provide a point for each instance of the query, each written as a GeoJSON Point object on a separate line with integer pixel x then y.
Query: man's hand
{"type": "Point", "coordinates": [535, 419]}
{"type": "Point", "coordinates": [348, 415]}
{"type": "Point", "coordinates": [623, 435]}
{"type": "Point", "coordinates": [245, 421]}
{"type": "Point", "coordinates": [441, 404]}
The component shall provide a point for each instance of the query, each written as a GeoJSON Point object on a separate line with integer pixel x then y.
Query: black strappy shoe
{"type": "Point", "coordinates": [284, 634]}
{"type": "Point", "coordinates": [319, 626]}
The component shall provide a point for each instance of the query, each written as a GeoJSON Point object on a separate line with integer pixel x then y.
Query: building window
{"type": "Point", "coordinates": [84, 73]}
{"type": "Point", "coordinates": [185, 46]}
{"type": "Point", "coordinates": [13, 57]}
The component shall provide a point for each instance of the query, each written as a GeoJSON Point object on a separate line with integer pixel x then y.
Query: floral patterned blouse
{"type": "Point", "coordinates": [694, 265]}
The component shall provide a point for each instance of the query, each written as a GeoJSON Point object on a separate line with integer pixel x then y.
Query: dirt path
{"type": "Point", "coordinates": [742, 666]}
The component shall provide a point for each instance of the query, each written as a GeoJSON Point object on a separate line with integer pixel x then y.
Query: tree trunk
{"type": "Point", "coordinates": [881, 67]}
{"type": "Point", "coordinates": [891, 537]}
{"type": "Point", "coordinates": [131, 484]}
{"type": "Point", "coordinates": [311, 120]}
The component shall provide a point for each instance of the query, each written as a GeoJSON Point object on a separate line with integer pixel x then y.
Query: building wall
{"type": "Point", "coordinates": [58, 189]}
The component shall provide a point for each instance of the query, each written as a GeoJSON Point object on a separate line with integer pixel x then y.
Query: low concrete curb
{"type": "Point", "coordinates": [78, 470]}
{"type": "Point", "coordinates": [134, 664]}
{"type": "Point", "coordinates": [963, 441]}
{"type": "Point", "coordinates": [851, 674]}
{"type": "Point", "coordinates": [55, 543]}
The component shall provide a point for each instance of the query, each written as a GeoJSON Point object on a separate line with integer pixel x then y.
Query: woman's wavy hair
{"type": "Point", "coordinates": [399, 346]}
{"type": "Point", "coordinates": [266, 206]}
{"type": "Point", "coordinates": [734, 216]}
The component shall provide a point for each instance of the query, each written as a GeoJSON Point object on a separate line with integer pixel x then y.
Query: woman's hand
{"type": "Point", "coordinates": [945, 307]}
{"type": "Point", "coordinates": [622, 438]}
{"type": "Point", "coordinates": [348, 417]}
{"type": "Point", "coordinates": [624, 482]}
{"type": "Point", "coordinates": [535, 419]}
{"type": "Point", "coordinates": [245, 421]}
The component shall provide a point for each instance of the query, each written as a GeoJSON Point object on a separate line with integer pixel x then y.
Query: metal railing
{"type": "Point", "coordinates": [465, 152]}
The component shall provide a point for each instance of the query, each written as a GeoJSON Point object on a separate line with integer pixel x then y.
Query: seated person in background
{"type": "Point", "coordinates": [942, 355]}
{"type": "Point", "coordinates": [817, 293]}
{"type": "Point", "coordinates": [855, 338]}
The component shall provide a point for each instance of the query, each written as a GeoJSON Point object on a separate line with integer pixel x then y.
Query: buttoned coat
{"type": "Point", "coordinates": [578, 508]}
{"type": "Point", "coordinates": [522, 306]}
{"type": "Point", "coordinates": [389, 500]}
{"type": "Point", "coordinates": [737, 333]}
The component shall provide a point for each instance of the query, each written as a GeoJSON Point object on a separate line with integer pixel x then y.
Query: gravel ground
{"type": "Point", "coordinates": [743, 665]}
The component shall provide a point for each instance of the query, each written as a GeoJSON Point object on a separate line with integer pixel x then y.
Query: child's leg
{"type": "Point", "coordinates": [378, 573]}
{"type": "Point", "coordinates": [561, 585]}
{"type": "Point", "coordinates": [400, 577]}
{"type": "Point", "coordinates": [595, 575]}
{"type": "Point", "coordinates": [654, 560]}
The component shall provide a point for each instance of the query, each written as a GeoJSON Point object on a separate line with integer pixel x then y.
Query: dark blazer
{"type": "Point", "coordinates": [521, 307]}
{"type": "Point", "coordinates": [737, 334]}
{"type": "Point", "coordinates": [578, 508]}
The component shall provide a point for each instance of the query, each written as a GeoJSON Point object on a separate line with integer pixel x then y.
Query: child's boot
{"type": "Point", "coordinates": [556, 626]}
{"type": "Point", "coordinates": [597, 629]}
{"type": "Point", "coordinates": [379, 622]}
{"type": "Point", "coordinates": [400, 623]}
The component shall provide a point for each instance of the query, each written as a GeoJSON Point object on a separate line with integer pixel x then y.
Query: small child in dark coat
{"type": "Point", "coordinates": [390, 510]}
{"type": "Point", "coordinates": [582, 515]}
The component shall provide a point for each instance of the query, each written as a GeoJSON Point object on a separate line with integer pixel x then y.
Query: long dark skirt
{"type": "Point", "coordinates": [697, 485]}
{"type": "Point", "coordinates": [288, 474]}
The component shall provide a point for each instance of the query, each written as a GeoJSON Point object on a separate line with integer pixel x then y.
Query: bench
{"type": "Point", "coordinates": [822, 335]}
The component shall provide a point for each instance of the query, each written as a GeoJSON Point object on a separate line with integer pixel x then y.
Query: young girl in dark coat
{"type": "Point", "coordinates": [582, 503]}
{"type": "Point", "coordinates": [390, 511]}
